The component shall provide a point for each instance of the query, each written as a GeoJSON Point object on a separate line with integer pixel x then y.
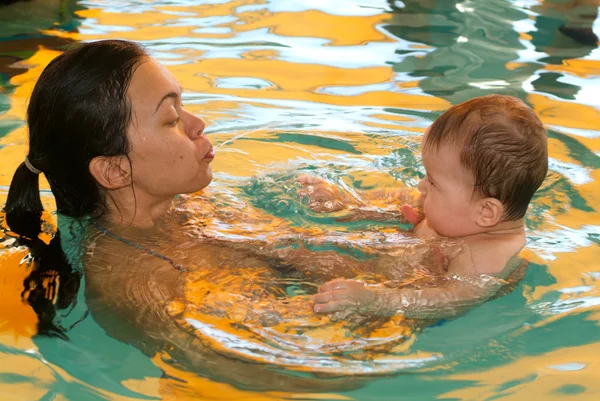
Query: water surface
{"type": "Point", "coordinates": [344, 89]}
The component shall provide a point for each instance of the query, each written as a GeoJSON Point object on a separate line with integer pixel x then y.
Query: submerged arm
{"type": "Point", "coordinates": [382, 204]}
{"type": "Point", "coordinates": [454, 296]}
{"type": "Point", "coordinates": [320, 265]}
{"type": "Point", "coordinates": [450, 297]}
{"type": "Point", "coordinates": [468, 282]}
{"type": "Point", "coordinates": [143, 302]}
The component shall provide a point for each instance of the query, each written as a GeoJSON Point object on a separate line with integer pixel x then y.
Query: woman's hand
{"type": "Point", "coordinates": [345, 295]}
{"type": "Point", "coordinates": [322, 195]}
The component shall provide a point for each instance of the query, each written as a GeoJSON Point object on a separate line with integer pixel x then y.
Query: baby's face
{"type": "Point", "coordinates": [447, 189]}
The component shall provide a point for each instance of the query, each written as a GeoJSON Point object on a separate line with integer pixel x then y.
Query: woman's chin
{"type": "Point", "coordinates": [205, 182]}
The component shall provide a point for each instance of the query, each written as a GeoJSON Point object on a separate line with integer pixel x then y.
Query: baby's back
{"type": "Point", "coordinates": [492, 254]}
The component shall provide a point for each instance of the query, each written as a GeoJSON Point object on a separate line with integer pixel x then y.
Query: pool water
{"type": "Point", "coordinates": [343, 89]}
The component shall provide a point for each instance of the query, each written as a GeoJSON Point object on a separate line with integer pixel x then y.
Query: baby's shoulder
{"type": "Point", "coordinates": [487, 255]}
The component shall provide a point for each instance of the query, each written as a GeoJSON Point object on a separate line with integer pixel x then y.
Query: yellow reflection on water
{"type": "Point", "coordinates": [565, 114]}
{"type": "Point", "coordinates": [149, 25]}
{"type": "Point", "coordinates": [34, 378]}
{"type": "Point", "coordinates": [577, 67]}
{"type": "Point", "coordinates": [570, 372]}
{"type": "Point", "coordinates": [16, 317]}
{"type": "Point", "coordinates": [13, 146]}
{"type": "Point", "coordinates": [339, 29]}
{"type": "Point", "coordinates": [200, 388]}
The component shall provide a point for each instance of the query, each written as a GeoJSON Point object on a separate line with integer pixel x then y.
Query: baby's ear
{"type": "Point", "coordinates": [489, 212]}
{"type": "Point", "coordinates": [111, 172]}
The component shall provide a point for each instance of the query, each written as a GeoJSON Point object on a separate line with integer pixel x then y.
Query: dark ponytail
{"type": "Point", "coordinates": [78, 111]}
{"type": "Point", "coordinates": [52, 285]}
{"type": "Point", "coordinates": [23, 205]}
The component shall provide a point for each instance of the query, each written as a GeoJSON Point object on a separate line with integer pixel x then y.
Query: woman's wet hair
{"type": "Point", "coordinates": [78, 110]}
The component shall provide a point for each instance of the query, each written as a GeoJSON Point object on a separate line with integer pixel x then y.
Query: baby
{"type": "Point", "coordinates": [484, 160]}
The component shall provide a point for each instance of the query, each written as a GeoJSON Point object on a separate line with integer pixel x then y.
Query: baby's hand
{"type": "Point", "coordinates": [412, 215]}
{"type": "Point", "coordinates": [322, 195]}
{"type": "Point", "coordinates": [344, 295]}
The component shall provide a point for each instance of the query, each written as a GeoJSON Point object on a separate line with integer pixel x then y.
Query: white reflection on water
{"type": "Point", "coordinates": [335, 7]}
{"type": "Point", "coordinates": [577, 174]}
{"type": "Point", "coordinates": [547, 244]}
{"type": "Point", "coordinates": [292, 358]}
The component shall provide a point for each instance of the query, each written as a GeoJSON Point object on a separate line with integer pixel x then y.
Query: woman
{"type": "Point", "coordinates": [110, 133]}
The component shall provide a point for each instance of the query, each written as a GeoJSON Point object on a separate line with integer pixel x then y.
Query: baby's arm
{"type": "Point", "coordinates": [449, 298]}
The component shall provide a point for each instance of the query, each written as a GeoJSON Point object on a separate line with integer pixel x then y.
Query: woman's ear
{"type": "Point", "coordinates": [111, 172]}
{"type": "Point", "coordinates": [489, 212]}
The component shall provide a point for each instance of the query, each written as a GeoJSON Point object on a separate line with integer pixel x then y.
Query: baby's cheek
{"type": "Point", "coordinates": [429, 208]}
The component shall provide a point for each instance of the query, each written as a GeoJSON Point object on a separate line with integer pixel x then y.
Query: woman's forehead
{"type": "Point", "coordinates": [150, 82]}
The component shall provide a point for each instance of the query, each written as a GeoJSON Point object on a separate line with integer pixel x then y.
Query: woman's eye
{"type": "Point", "coordinates": [175, 122]}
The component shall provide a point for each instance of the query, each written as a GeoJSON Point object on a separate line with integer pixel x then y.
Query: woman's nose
{"type": "Point", "coordinates": [196, 127]}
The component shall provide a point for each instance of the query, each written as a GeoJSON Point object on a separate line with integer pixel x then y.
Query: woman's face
{"type": "Point", "coordinates": [170, 154]}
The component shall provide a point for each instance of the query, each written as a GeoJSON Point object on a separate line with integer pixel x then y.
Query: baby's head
{"type": "Point", "coordinates": [484, 158]}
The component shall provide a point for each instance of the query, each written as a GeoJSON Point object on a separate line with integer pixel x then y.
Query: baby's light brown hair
{"type": "Point", "coordinates": [502, 142]}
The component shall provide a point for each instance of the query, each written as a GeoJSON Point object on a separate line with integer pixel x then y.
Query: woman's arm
{"type": "Point", "coordinates": [384, 204]}
{"type": "Point", "coordinates": [142, 302]}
